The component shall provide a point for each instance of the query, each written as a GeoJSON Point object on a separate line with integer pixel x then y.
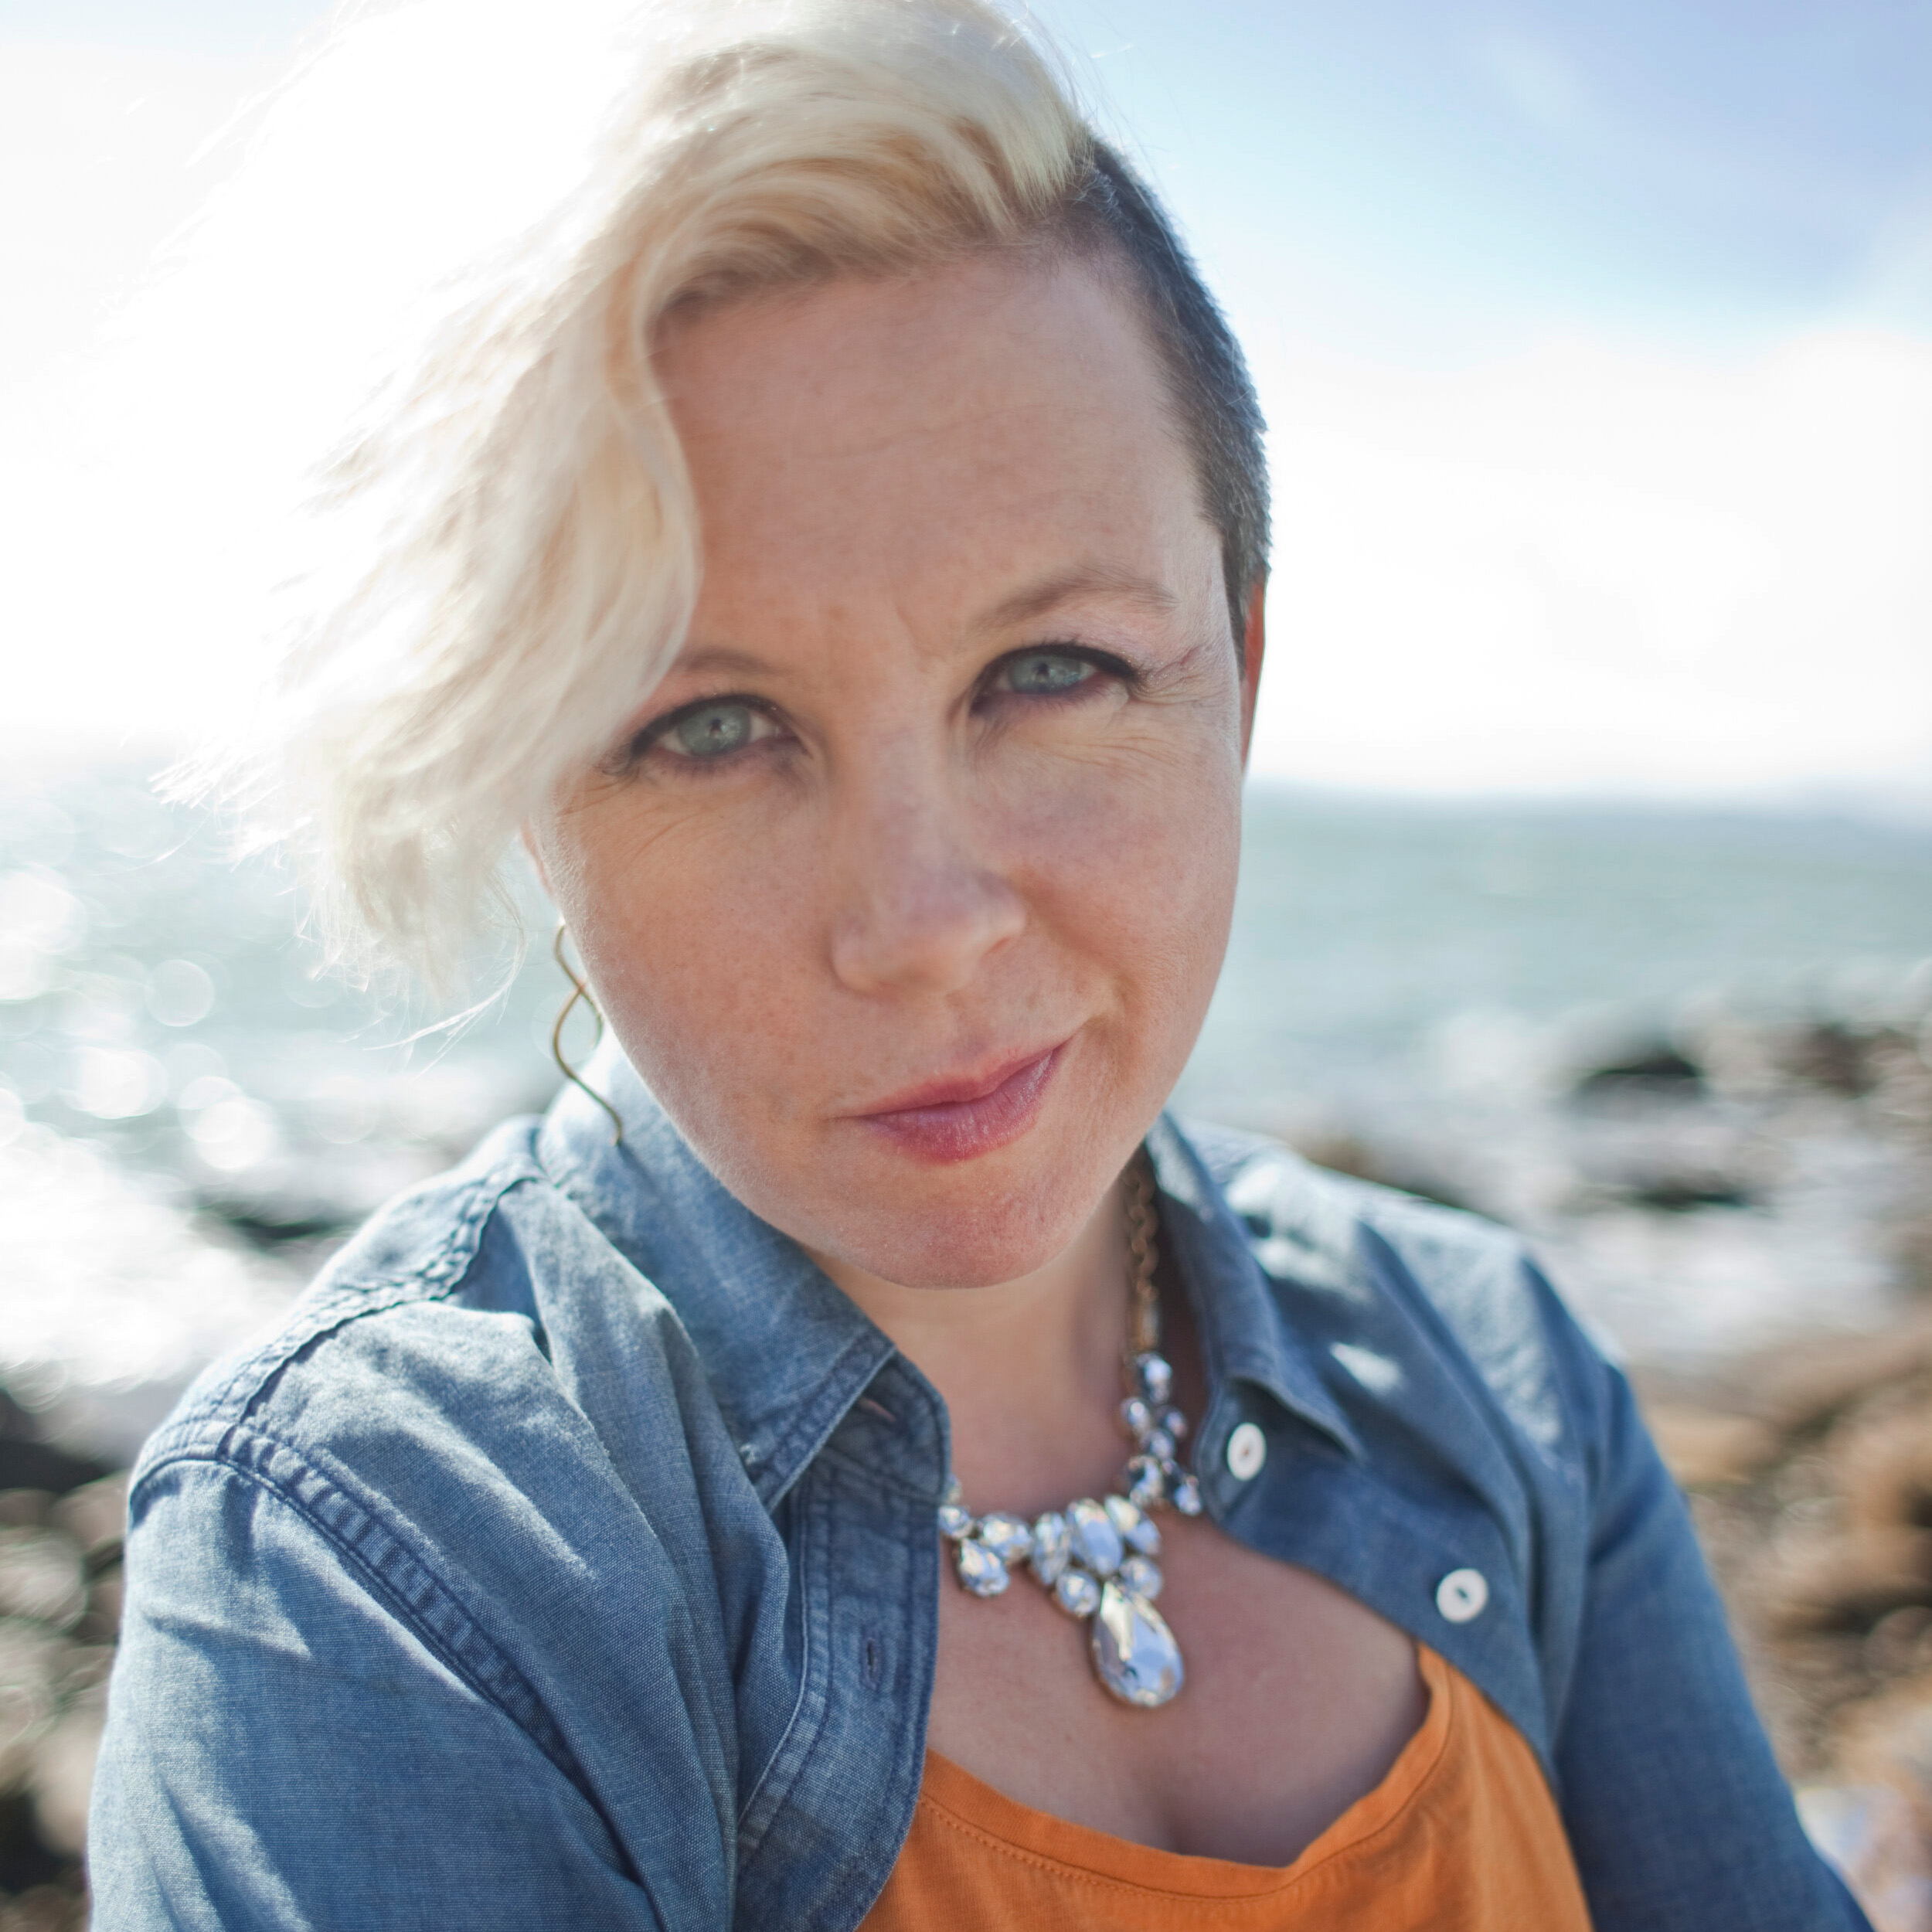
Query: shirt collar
{"type": "Point", "coordinates": [1247, 1335]}
{"type": "Point", "coordinates": [788, 1353]}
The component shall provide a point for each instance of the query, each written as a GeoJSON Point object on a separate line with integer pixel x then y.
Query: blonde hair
{"type": "Point", "coordinates": [510, 548]}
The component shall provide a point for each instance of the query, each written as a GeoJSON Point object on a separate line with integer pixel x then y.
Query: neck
{"type": "Point", "coordinates": [1029, 1369]}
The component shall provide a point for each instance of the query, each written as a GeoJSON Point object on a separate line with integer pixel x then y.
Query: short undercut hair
{"type": "Point", "coordinates": [508, 549]}
{"type": "Point", "coordinates": [1214, 396]}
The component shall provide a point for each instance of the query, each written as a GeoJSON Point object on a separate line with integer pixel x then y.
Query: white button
{"type": "Point", "coordinates": [1247, 1450]}
{"type": "Point", "coordinates": [1462, 1594]}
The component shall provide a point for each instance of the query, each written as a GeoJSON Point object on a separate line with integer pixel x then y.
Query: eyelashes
{"type": "Point", "coordinates": [715, 732]}
{"type": "Point", "coordinates": [1043, 673]}
{"type": "Point", "coordinates": [712, 729]}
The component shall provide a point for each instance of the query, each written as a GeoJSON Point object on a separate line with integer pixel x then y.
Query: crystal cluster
{"type": "Point", "coordinates": [1096, 1559]}
{"type": "Point", "coordinates": [1154, 1472]}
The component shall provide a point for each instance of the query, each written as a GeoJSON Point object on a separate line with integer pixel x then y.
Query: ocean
{"type": "Point", "coordinates": [1612, 1025]}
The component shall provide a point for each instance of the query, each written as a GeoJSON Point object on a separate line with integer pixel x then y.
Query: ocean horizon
{"type": "Point", "coordinates": [1460, 997]}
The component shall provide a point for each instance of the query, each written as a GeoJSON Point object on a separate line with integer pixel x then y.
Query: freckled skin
{"type": "Point", "coordinates": [912, 868]}
{"type": "Point", "coordinates": [916, 886]}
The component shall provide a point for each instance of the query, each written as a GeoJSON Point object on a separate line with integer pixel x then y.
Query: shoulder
{"type": "Point", "coordinates": [1310, 1220]}
{"type": "Point", "coordinates": [480, 1406]}
{"type": "Point", "coordinates": [425, 1250]}
{"type": "Point", "coordinates": [439, 1347]}
{"type": "Point", "coordinates": [1379, 1274]}
{"type": "Point", "coordinates": [458, 1520]}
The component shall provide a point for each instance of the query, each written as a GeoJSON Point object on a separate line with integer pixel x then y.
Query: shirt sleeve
{"type": "Point", "coordinates": [1665, 1771]}
{"type": "Point", "coordinates": [285, 1749]}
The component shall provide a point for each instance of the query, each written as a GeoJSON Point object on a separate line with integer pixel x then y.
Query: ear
{"type": "Point", "coordinates": [1253, 646]}
{"type": "Point", "coordinates": [536, 859]}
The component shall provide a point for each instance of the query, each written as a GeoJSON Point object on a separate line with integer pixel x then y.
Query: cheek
{"type": "Point", "coordinates": [694, 933]}
{"type": "Point", "coordinates": [1131, 864]}
{"type": "Point", "coordinates": [705, 934]}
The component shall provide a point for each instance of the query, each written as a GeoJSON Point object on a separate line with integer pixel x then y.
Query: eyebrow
{"type": "Point", "coordinates": [722, 658]}
{"type": "Point", "coordinates": [1065, 585]}
{"type": "Point", "coordinates": [1035, 601]}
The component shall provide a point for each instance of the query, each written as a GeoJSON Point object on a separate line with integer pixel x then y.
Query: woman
{"type": "Point", "coordinates": [720, 1503]}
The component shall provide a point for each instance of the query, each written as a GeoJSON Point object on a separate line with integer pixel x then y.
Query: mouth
{"type": "Point", "coordinates": [946, 1121]}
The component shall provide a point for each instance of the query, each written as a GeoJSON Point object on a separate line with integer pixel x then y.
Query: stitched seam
{"type": "Point", "coordinates": [342, 1301]}
{"type": "Point", "coordinates": [749, 1847]}
{"type": "Point", "coordinates": [787, 1460]}
{"type": "Point", "coordinates": [783, 1463]}
{"type": "Point", "coordinates": [873, 1476]}
{"type": "Point", "coordinates": [541, 1732]}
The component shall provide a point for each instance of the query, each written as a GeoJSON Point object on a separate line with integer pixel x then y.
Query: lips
{"type": "Point", "coordinates": [951, 1121]}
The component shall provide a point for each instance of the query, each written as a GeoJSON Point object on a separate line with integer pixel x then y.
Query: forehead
{"type": "Point", "coordinates": [1003, 416]}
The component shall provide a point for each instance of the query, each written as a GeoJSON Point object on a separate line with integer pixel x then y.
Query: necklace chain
{"type": "Point", "coordinates": [1096, 1557]}
{"type": "Point", "coordinates": [1143, 1258]}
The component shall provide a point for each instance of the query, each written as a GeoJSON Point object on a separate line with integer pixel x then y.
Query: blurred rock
{"type": "Point", "coordinates": [102, 1623]}
{"type": "Point", "coordinates": [1802, 1385]}
{"type": "Point", "coordinates": [1704, 1186]}
{"type": "Point", "coordinates": [62, 1774]}
{"type": "Point", "coordinates": [1342, 1153]}
{"type": "Point", "coordinates": [1899, 1644]}
{"type": "Point", "coordinates": [1912, 1245]}
{"type": "Point", "coordinates": [1882, 1462]}
{"type": "Point", "coordinates": [1831, 1579]}
{"type": "Point", "coordinates": [1706, 1448]}
{"type": "Point", "coordinates": [30, 1662]}
{"type": "Point", "coordinates": [1829, 1053]}
{"type": "Point", "coordinates": [28, 1464]}
{"type": "Point", "coordinates": [45, 1908]}
{"type": "Point", "coordinates": [42, 1577]}
{"type": "Point", "coordinates": [1657, 1065]}
{"type": "Point", "coordinates": [54, 1664]}
{"type": "Point", "coordinates": [95, 1515]}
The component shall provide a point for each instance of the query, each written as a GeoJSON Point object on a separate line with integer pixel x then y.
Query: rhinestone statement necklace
{"type": "Point", "coordinates": [1096, 1559]}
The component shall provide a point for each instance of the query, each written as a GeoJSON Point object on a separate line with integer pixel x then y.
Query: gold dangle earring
{"type": "Point", "coordinates": [579, 992]}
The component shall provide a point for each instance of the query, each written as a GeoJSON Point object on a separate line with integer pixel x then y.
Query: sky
{"type": "Point", "coordinates": [1595, 341]}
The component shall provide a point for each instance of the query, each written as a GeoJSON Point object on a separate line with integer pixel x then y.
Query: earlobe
{"type": "Point", "coordinates": [536, 859]}
{"type": "Point", "coordinates": [1253, 648]}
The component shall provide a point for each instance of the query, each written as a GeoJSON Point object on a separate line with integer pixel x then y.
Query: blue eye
{"type": "Point", "coordinates": [713, 729]}
{"type": "Point", "coordinates": [1045, 673]}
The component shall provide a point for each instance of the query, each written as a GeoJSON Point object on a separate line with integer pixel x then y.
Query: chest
{"type": "Point", "coordinates": [1297, 1700]}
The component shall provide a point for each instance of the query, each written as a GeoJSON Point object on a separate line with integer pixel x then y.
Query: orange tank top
{"type": "Point", "coordinates": [1461, 1836]}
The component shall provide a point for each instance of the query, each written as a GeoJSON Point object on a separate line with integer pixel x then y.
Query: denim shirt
{"type": "Point", "coordinates": [568, 1557]}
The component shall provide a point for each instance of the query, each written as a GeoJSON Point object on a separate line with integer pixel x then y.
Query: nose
{"type": "Point", "coordinates": [921, 908]}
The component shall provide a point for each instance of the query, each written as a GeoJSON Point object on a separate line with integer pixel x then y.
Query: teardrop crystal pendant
{"type": "Point", "coordinates": [1134, 1653]}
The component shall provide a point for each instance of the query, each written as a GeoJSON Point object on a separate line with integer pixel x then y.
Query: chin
{"type": "Point", "coordinates": [962, 1255]}
{"type": "Point", "coordinates": [973, 1225]}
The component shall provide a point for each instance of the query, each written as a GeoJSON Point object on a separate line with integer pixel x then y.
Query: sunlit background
{"type": "Point", "coordinates": [1596, 342]}
{"type": "Point", "coordinates": [1589, 872]}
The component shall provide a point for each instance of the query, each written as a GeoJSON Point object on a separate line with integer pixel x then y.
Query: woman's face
{"type": "Point", "coordinates": [906, 889]}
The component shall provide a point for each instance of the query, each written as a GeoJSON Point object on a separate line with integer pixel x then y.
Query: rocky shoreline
{"type": "Point", "coordinates": [1808, 1468]}
{"type": "Point", "coordinates": [60, 1529]}
{"type": "Point", "coordinates": [1806, 1456]}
